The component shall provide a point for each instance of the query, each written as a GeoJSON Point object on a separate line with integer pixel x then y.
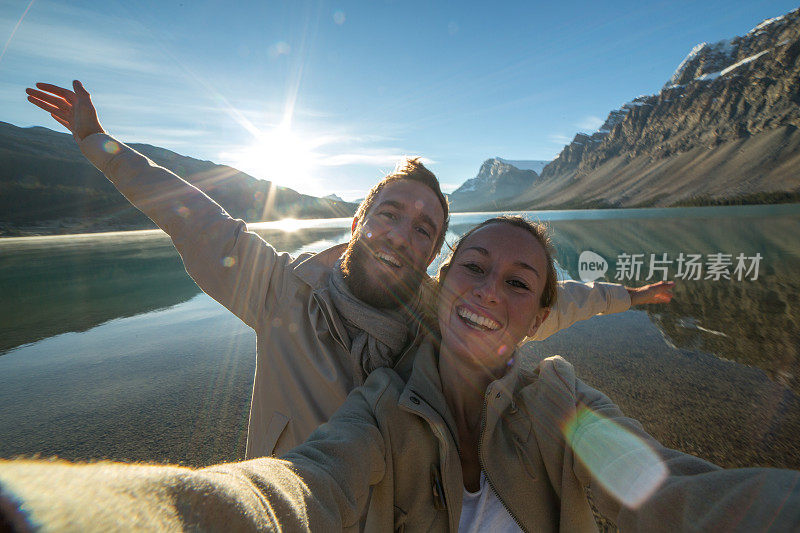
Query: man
{"type": "Point", "coordinates": [323, 321]}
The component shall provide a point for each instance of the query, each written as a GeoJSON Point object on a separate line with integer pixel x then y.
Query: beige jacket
{"type": "Point", "coordinates": [387, 460]}
{"type": "Point", "coordinates": [303, 370]}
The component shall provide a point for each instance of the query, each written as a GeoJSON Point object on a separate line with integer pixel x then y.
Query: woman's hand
{"type": "Point", "coordinates": [72, 109]}
{"type": "Point", "coordinates": [655, 293]}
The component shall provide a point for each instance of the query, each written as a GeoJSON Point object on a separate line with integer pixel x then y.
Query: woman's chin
{"type": "Point", "coordinates": [484, 348]}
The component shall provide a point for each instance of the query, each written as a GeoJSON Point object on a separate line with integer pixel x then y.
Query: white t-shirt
{"type": "Point", "coordinates": [483, 511]}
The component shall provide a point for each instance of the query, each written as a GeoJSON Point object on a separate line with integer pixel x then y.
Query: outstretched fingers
{"type": "Point", "coordinates": [51, 99]}
{"type": "Point", "coordinates": [66, 94]}
{"type": "Point", "coordinates": [54, 110]}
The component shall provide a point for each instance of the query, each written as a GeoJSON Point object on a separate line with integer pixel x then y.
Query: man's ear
{"type": "Point", "coordinates": [355, 224]}
{"type": "Point", "coordinates": [541, 316]}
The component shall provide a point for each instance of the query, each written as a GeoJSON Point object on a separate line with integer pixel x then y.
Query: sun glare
{"type": "Point", "coordinates": [280, 156]}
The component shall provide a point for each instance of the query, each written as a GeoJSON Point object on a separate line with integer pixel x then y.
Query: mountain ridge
{"type": "Point", "coordinates": [48, 187]}
{"type": "Point", "coordinates": [722, 129]}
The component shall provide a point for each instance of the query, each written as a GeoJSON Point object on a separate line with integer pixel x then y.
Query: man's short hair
{"type": "Point", "coordinates": [410, 169]}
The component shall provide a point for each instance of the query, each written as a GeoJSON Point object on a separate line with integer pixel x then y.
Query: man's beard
{"type": "Point", "coordinates": [372, 290]}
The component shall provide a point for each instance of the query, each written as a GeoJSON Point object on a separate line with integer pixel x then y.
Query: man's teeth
{"type": "Point", "coordinates": [392, 260]}
{"type": "Point", "coordinates": [477, 320]}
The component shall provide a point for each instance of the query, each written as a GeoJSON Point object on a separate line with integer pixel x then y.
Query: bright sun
{"type": "Point", "coordinates": [279, 156]}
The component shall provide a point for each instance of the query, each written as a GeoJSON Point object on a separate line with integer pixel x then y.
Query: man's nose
{"type": "Point", "coordinates": [400, 234]}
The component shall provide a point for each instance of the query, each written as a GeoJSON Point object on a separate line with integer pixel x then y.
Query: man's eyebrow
{"type": "Point", "coordinates": [426, 219]}
{"type": "Point", "coordinates": [392, 203]}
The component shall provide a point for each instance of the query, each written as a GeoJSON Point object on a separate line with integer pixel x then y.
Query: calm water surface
{"type": "Point", "coordinates": [109, 350]}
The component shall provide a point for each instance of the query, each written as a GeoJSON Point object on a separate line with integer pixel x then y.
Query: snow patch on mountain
{"type": "Point", "coordinates": [535, 165]}
{"type": "Point", "coordinates": [767, 23]}
{"type": "Point", "coordinates": [717, 53]}
{"type": "Point", "coordinates": [714, 75]}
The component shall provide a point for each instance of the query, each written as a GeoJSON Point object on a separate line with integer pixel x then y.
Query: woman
{"type": "Point", "coordinates": [473, 439]}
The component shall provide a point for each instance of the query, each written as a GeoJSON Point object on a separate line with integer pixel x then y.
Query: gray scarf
{"type": "Point", "coordinates": [376, 336]}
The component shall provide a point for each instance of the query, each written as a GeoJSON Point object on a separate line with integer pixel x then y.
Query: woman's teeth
{"type": "Point", "coordinates": [477, 320]}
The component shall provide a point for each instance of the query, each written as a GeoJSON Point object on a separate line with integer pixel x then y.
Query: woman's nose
{"type": "Point", "coordinates": [487, 289]}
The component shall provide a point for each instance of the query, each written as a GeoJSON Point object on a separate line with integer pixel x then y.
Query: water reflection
{"type": "Point", "coordinates": [55, 285]}
{"type": "Point", "coordinates": [754, 322]}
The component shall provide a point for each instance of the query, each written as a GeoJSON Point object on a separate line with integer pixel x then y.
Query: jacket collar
{"type": "Point", "coordinates": [315, 269]}
{"type": "Point", "coordinates": [502, 395]}
{"type": "Point", "coordinates": [425, 385]}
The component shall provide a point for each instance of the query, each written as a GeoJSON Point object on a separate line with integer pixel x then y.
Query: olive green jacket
{"type": "Point", "coordinates": [388, 460]}
{"type": "Point", "coordinates": [304, 370]}
{"type": "Point", "coordinates": [546, 438]}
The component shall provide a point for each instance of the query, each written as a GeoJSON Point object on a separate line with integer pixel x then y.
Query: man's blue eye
{"type": "Point", "coordinates": [423, 231]}
{"type": "Point", "coordinates": [473, 267]}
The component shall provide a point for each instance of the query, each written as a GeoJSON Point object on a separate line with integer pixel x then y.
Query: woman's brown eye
{"type": "Point", "coordinates": [517, 283]}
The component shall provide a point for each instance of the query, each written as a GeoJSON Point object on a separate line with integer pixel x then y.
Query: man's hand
{"type": "Point", "coordinates": [655, 293]}
{"type": "Point", "coordinates": [73, 110]}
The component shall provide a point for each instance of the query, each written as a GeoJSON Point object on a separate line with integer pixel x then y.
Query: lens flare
{"type": "Point", "coordinates": [111, 147]}
{"type": "Point", "coordinates": [618, 459]}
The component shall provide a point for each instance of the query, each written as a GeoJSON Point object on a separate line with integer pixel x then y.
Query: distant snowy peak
{"type": "Point", "coordinates": [498, 174]}
{"type": "Point", "coordinates": [535, 165]}
{"type": "Point", "coordinates": [333, 197]}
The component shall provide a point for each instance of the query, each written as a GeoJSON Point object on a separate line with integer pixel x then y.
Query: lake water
{"type": "Point", "coordinates": [109, 350]}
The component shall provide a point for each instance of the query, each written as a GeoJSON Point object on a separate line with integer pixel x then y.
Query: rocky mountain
{"type": "Point", "coordinates": [497, 182]}
{"type": "Point", "coordinates": [722, 130]}
{"type": "Point", "coordinates": [48, 187]}
{"type": "Point", "coordinates": [535, 165]}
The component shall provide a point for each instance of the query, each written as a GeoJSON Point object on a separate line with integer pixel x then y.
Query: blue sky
{"type": "Point", "coordinates": [325, 96]}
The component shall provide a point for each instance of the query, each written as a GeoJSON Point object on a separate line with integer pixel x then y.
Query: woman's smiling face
{"type": "Point", "coordinates": [490, 296]}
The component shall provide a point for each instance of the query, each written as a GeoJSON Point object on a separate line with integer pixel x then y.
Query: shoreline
{"type": "Point", "coordinates": [75, 227]}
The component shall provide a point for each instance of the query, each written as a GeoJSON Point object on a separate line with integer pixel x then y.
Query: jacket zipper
{"type": "Point", "coordinates": [486, 472]}
{"type": "Point", "coordinates": [442, 438]}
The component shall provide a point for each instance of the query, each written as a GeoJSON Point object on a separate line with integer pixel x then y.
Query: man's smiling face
{"type": "Point", "coordinates": [392, 246]}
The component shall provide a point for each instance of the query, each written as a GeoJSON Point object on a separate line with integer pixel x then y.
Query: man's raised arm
{"type": "Point", "coordinates": [233, 266]}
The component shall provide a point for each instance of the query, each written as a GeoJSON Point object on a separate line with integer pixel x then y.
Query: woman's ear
{"type": "Point", "coordinates": [541, 316]}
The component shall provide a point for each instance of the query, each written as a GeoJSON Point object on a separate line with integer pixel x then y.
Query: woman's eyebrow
{"type": "Point", "coordinates": [521, 264]}
{"type": "Point", "coordinates": [481, 250]}
{"type": "Point", "coordinates": [526, 266]}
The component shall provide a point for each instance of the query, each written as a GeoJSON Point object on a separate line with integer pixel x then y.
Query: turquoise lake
{"type": "Point", "coordinates": [109, 350]}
